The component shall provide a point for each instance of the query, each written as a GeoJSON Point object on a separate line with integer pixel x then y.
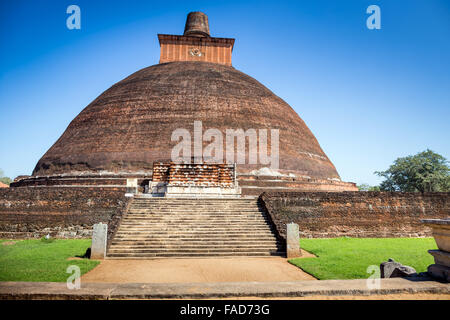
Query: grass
{"type": "Point", "coordinates": [338, 258]}
{"type": "Point", "coordinates": [38, 260]}
{"type": "Point", "coordinates": [348, 258]}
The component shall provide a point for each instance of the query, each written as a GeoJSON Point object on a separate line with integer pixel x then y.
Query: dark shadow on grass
{"type": "Point", "coordinates": [87, 254]}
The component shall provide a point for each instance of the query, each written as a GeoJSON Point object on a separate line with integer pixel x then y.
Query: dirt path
{"type": "Point", "coordinates": [236, 269]}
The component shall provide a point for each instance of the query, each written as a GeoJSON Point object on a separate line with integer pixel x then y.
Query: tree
{"type": "Point", "coordinates": [426, 171]}
{"type": "Point", "coordinates": [5, 180]}
{"type": "Point", "coordinates": [366, 187]}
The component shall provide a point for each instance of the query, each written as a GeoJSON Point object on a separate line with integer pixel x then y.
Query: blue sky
{"type": "Point", "coordinates": [369, 96]}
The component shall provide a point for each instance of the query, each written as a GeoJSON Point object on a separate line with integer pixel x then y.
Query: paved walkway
{"type": "Point", "coordinates": [290, 289]}
{"type": "Point", "coordinates": [198, 270]}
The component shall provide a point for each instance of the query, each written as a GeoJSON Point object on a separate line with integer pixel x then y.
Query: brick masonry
{"type": "Point", "coordinates": [133, 122]}
{"type": "Point", "coordinates": [251, 185]}
{"type": "Point", "coordinates": [64, 212]}
{"type": "Point", "coordinates": [93, 181]}
{"type": "Point", "coordinates": [355, 214]}
{"type": "Point", "coordinates": [199, 174]}
{"type": "Point", "coordinates": [185, 48]}
{"type": "Point", "coordinates": [129, 126]}
{"type": "Point", "coordinates": [70, 212]}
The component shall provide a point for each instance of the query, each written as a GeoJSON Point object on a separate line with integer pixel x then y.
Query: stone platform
{"type": "Point", "coordinates": [110, 291]}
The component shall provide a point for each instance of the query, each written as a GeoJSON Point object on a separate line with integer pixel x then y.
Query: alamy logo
{"type": "Point", "coordinates": [373, 282]}
{"type": "Point", "coordinates": [73, 281]}
{"type": "Point", "coordinates": [74, 20]}
{"type": "Point", "coordinates": [374, 20]}
{"type": "Point", "coordinates": [258, 152]}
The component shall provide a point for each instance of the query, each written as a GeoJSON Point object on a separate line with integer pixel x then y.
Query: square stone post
{"type": "Point", "coordinates": [99, 239]}
{"type": "Point", "coordinates": [292, 240]}
{"type": "Point", "coordinates": [132, 186]}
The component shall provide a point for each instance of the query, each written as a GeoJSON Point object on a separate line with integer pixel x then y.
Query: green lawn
{"type": "Point", "coordinates": [35, 260]}
{"type": "Point", "coordinates": [348, 258]}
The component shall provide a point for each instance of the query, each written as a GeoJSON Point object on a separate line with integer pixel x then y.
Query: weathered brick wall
{"type": "Point", "coordinates": [189, 48]}
{"type": "Point", "coordinates": [256, 185]}
{"type": "Point", "coordinates": [64, 212]}
{"type": "Point", "coordinates": [356, 214]}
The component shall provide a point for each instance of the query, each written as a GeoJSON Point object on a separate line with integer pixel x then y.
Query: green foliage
{"type": "Point", "coordinates": [425, 172]}
{"type": "Point", "coordinates": [348, 258]}
{"type": "Point", "coordinates": [366, 187]}
{"type": "Point", "coordinates": [4, 179]}
{"type": "Point", "coordinates": [35, 260]}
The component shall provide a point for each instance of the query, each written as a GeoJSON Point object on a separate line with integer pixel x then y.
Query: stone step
{"type": "Point", "coordinates": [193, 255]}
{"type": "Point", "coordinates": [188, 240]}
{"type": "Point", "coordinates": [196, 213]}
{"type": "Point", "coordinates": [192, 201]}
{"type": "Point", "coordinates": [191, 219]}
{"type": "Point", "coordinates": [174, 225]}
{"type": "Point", "coordinates": [194, 216]}
{"type": "Point", "coordinates": [181, 218]}
{"type": "Point", "coordinates": [168, 218]}
{"type": "Point", "coordinates": [187, 220]}
{"type": "Point", "coordinates": [195, 200]}
{"type": "Point", "coordinates": [188, 237]}
{"type": "Point", "coordinates": [210, 222]}
{"type": "Point", "coordinates": [193, 252]}
{"type": "Point", "coordinates": [191, 208]}
{"type": "Point", "coordinates": [188, 247]}
{"type": "Point", "coordinates": [187, 207]}
{"type": "Point", "coordinates": [193, 227]}
{"type": "Point", "coordinates": [151, 217]}
{"type": "Point", "coordinates": [198, 202]}
{"type": "Point", "coordinates": [198, 205]}
{"type": "Point", "coordinates": [199, 231]}
{"type": "Point", "coordinates": [192, 241]}
{"type": "Point", "coordinates": [184, 224]}
{"type": "Point", "coordinates": [155, 227]}
{"type": "Point", "coordinates": [183, 209]}
{"type": "Point", "coordinates": [190, 250]}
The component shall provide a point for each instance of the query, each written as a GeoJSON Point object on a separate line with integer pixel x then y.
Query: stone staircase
{"type": "Point", "coordinates": [173, 227]}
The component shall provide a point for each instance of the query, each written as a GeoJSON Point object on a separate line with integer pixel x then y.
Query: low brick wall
{"type": "Point", "coordinates": [86, 181]}
{"type": "Point", "coordinates": [355, 214]}
{"type": "Point", "coordinates": [64, 212]}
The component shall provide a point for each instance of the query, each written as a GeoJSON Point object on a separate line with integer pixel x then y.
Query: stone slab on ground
{"type": "Point", "coordinates": [169, 270]}
{"type": "Point", "coordinates": [53, 291]}
{"type": "Point", "coordinates": [393, 269]}
{"type": "Point", "coordinates": [358, 287]}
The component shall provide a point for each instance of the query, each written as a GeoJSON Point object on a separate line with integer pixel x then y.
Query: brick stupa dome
{"type": "Point", "coordinates": [129, 126]}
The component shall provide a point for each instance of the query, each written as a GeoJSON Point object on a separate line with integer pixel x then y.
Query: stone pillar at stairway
{"type": "Point", "coordinates": [99, 238]}
{"type": "Point", "coordinates": [292, 240]}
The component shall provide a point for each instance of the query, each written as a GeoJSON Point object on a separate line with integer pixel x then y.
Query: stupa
{"type": "Point", "coordinates": [129, 127]}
